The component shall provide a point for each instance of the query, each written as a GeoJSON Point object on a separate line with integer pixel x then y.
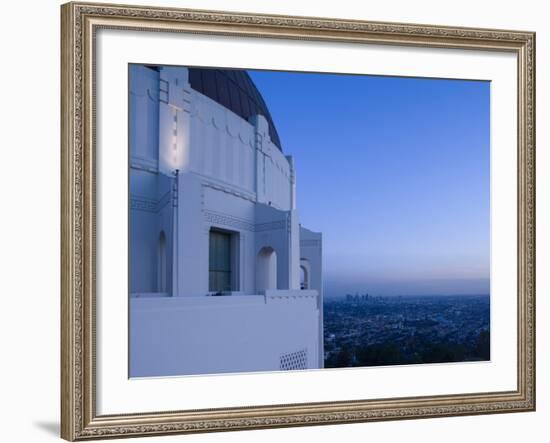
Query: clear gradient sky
{"type": "Point", "coordinates": [395, 172]}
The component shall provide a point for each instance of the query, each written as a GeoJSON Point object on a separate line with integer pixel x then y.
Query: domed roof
{"type": "Point", "coordinates": [235, 90]}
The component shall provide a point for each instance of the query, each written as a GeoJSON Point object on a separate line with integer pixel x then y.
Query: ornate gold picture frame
{"type": "Point", "coordinates": [80, 24]}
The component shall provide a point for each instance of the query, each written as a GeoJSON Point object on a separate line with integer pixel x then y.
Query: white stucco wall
{"type": "Point", "coordinates": [231, 176]}
{"type": "Point", "coordinates": [144, 124]}
{"type": "Point", "coordinates": [311, 251]}
{"type": "Point", "coordinates": [221, 147]}
{"type": "Point", "coordinates": [150, 199]}
{"type": "Point", "coordinates": [207, 335]}
{"type": "Point", "coordinates": [197, 166]}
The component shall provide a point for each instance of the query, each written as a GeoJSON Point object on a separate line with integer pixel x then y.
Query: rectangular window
{"type": "Point", "coordinates": [220, 258]}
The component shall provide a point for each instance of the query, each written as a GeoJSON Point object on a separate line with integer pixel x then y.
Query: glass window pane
{"type": "Point", "coordinates": [220, 261]}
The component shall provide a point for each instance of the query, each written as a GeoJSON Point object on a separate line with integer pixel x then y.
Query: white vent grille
{"type": "Point", "coordinates": [294, 360]}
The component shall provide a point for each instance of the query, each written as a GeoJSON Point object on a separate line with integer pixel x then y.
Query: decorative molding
{"type": "Point", "coordinates": [293, 296]}
{"type": "Point", "coordinates": [263, 420]}
{"type": "Point", "coordinates": [153, 95]}
{"type": "Point", "coordinates": [144, 164]}
{"type": "Point", "coordinates": [163, 91]}
{"type": "Point", "coordinates": [369, 29]}
{"type": "Point", "coordinates": [228, 189]}
{"type": "Point", "coordinates": [221, 119]}
{"type": "Point", "coordinates": [242, 224]}
{"type": "Point", "coordinates": [140, 203]}
{"type": "Point", "coordinates": [143, 204]}
{"type": "Point", "coordinates": [271, 226]}
{"type": "Point", "coordinates": [228, 220]}
{"type": "Point", "coordinates": [79, 419]}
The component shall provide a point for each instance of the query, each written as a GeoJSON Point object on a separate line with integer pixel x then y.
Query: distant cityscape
{"type": "Point", "coordinates": [367, 330]}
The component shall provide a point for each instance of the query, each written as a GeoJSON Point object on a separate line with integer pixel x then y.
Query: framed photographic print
{"type": "Point", "coordinates": [282, 221]}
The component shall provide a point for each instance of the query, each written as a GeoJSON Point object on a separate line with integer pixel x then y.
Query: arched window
{"type": "Point", "coordinates": [303, 278]}
{"type": "Point", "coordinates": [305, 274]}
{"type": "Point", "coordinates": [266, 269]}
{"type": "Point", "coordinates": [162, 276]}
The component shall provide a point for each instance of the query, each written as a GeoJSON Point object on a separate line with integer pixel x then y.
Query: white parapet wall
{"type": "Point", "coordinates": [221, 334]}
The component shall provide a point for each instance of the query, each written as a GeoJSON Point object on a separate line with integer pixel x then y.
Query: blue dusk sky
{"type": "Point", "coordinates": [395, 172]}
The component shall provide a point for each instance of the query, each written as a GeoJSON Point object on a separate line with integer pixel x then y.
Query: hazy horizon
{"type": "Point", "coordinates": [343, 296]}
{"type": "Point", "coordinates": [395, 172]}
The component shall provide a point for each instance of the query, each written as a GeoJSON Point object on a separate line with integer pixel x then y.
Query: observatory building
{"type": "Point", "coordinates": [223, 278]}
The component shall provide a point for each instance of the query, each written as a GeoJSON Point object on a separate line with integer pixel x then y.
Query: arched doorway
{"type": "Point", "coordinates": [305, 274]}
{"type": "Point", "coordinates": [266, 269]}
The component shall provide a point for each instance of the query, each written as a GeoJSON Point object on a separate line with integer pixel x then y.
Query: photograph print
{"type": "Point", "coordinates": [283, 221]}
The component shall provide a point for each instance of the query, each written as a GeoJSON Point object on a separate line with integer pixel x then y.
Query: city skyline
{"type": "Point", "coordinates": [409, 214]}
